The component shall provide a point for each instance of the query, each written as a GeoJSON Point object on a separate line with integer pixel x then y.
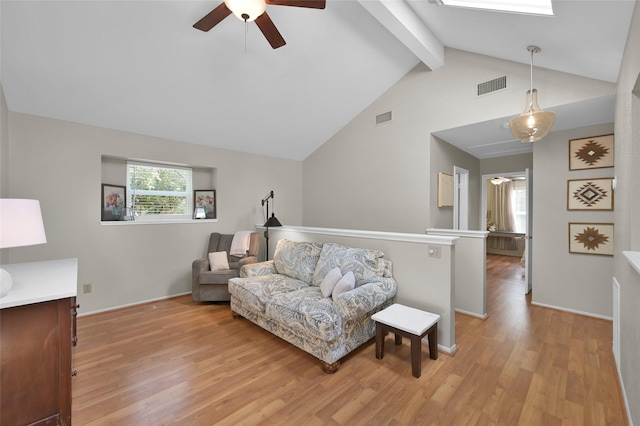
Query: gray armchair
{"type": "Point", "coordinates": [213, 286]}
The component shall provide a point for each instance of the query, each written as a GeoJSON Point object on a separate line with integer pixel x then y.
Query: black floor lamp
{"type": "Point", "coordinates": [271, 221]}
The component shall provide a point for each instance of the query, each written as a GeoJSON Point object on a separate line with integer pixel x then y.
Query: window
{"type": "Point", "coordinates": [159, 191]}
{"type": "Point", "coordinates": [519, 205]}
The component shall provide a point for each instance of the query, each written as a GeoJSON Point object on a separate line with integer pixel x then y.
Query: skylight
{"type": "Point", "coordinates": [532, 7]}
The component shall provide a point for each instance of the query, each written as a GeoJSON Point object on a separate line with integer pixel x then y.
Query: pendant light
{"type": "Point", "coordinates": [534, 123]}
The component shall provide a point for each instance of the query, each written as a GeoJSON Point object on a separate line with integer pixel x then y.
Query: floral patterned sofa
{"type": "Point", "coordinates": [284, 296]}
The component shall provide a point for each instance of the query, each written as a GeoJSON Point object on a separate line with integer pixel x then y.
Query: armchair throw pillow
{"type": "Point", "coordinates": [218, 260]}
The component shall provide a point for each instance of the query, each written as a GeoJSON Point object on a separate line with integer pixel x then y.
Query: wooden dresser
{"type": "Point", "coordinates": [37, 335]}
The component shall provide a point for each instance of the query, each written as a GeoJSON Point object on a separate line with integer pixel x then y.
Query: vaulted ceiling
{"type": "Point", "coordinates": [140, 66]}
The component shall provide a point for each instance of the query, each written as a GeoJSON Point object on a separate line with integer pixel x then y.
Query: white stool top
{"type": "Point", "coordinates": [407, 319]}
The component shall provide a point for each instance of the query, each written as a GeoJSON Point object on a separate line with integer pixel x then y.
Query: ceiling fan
{"type": "Point", "coordinates": [254, 10]}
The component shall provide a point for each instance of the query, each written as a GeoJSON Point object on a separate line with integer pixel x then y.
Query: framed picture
{"type": "Point", "coordinates": [206, 199]}
{"type": "Point", "coordinates": [591, 153]}
{"type": "Point", "coordinates": [590, 194]}
{"type": "Point", "coordinates": [591, 238]}
{"type": "Point", "coordinates": [445, 190]}
{"type": "Point", "coordinates": [113, 202]}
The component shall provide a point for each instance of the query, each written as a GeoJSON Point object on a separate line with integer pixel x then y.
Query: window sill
{"type": "Point", "coordinates": [153, 222]}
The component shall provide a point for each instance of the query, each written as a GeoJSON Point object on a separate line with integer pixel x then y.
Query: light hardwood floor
{"type": "Point", "coordinates": [176, 363]}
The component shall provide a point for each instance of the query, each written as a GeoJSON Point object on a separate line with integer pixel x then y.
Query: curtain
{"type": "Point", "coordinates": [500, 214]}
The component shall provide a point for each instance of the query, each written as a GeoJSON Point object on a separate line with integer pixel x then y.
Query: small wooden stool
{"type": "Point", "coordinates": [408, 322]}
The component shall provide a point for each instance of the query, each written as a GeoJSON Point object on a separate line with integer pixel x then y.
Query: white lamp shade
{"type": "Point", "coordinates": [20, 223]}
{"type": "Point", "coordinates": [251, 8]}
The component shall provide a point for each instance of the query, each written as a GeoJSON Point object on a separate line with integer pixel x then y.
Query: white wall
{"type": "Point", "coordinates": [627, 218]}
{"type": "Point", "coordinates": [4, 156]}
{"type": "Point", "coordinates": [576, 282]}
{"type": "Point", "coordinates": [59, 163]}
{"type": "Point", "coordinates": [4, 145]}
{"type": "Point", "coordinates": [470, 270]}
{"type": "Point", "coordinates": [509, 163]}
{"type": "Point", "coordinates": [443, 157]}
{"type": "Point", "coordinates": [380, 177]}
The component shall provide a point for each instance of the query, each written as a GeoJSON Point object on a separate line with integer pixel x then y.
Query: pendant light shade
{"type": "Point", "coordinates": [534, 123]}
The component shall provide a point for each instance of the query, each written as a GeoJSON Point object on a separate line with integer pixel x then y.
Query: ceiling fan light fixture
{"type": "Point", "coordinates": [534, 123]}
{"type": "Point", "coordinates": [246, 10]}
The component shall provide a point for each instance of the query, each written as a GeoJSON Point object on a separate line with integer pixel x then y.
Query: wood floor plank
{"type": "Point", "coordinates": [173, 362]}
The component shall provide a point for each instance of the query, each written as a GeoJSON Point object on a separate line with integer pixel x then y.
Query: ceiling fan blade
{"type": "Point", "coordinates": [213, 18]}
{"type": "Point", "coordinates": [270, 31]}
{"type": "Point", "coordinates": [313, 4]}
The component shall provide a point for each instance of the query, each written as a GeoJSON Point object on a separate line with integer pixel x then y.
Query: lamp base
{"type": "Point", "coordinates": [6, 282]}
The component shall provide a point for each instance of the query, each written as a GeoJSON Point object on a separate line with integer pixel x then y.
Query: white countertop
{"type": "Point", "coordinates": [35, 282]}
{"type": "Point", "coordinates": [633, 257]}
{"type": "Point", "coordinates": [408, 319]}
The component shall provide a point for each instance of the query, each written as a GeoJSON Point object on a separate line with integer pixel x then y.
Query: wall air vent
{"type": "Point", "coordinates": [383, 118]}
{"type": "Point", "coordinates": [492, 86]}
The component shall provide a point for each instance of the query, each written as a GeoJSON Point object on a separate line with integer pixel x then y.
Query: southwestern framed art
{"type": "Point", "coordinates": [591, 238]}
{"type": "Point", "coordinates": [595, 152]}
{"type": "Point", "coordinates": [590, 194]}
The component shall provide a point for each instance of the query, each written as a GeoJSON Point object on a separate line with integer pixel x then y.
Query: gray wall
{"type": "Point", "coordinates": [4, 154]}
{"type": "Point", "coordinates": [578, 282]}
{"type": "Point", "coordinates": [627, 218]}
{"type": "Point", "coordinates": [380, 177]}
{"type": "Point", "coordinates": [509, 163]}
{"type": "Point", "coordinates": [442, 159]}
{"type": "Point", "coordinates": [60, 164]}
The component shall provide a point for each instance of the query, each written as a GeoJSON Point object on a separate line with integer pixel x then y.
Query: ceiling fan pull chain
{"type": "Point", "coordinates": [246, 30]}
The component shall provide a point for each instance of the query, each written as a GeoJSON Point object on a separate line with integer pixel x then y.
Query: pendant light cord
{"type": "Point", "coordinates": [531, 73]}
{"type": "Point", "coordinates": [532, 49]}
{"type": "Point", "coordinates": [246, 31]}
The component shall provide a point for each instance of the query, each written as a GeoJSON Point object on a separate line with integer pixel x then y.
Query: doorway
{"type": "Point", "coordinates": [506, 213]}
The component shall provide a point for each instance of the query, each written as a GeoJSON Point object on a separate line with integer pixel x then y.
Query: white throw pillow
{"type": "Point", "coordinates": [330, 280]}
{"type": "Point", "coordinates": [346, 283]}
{"type": "Point", "coordinates": [218, 260]}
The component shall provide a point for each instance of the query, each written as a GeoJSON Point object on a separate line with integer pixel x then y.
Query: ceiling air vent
{"type": "Point", "coordinates": [383, 118]}
{"type": "Point", "coordinates": [492, 86]}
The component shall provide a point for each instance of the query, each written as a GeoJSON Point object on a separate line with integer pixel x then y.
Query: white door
{"type": "Point", "coordinates": [460, 198]}
{"type": "Point", "coordinates": [528, 235]}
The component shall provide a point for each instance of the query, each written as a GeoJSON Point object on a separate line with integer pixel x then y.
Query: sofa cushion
{"type": "Point", "coordinates": [365, 264]}
{"type": "Point", "coordinates": [220, 276]}
{"type": "Point", "coordinates": [257, 291]}
{"type": "Point", "coordinates": [306, 311]}
{"type": "Point", "coordinates": [297, 259]}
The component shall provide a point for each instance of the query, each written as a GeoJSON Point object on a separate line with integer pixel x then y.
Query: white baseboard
{"type": "Point", "coordinates": [573, 311]}
{"type": "Point", "coordinates": [473, 314]}
{"type": "Point", "coordinates": [142, 302]}
{"type": "Point", "coordinates": [449, 351]}
{"type": "Point", "coordinates": [624, 396]}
